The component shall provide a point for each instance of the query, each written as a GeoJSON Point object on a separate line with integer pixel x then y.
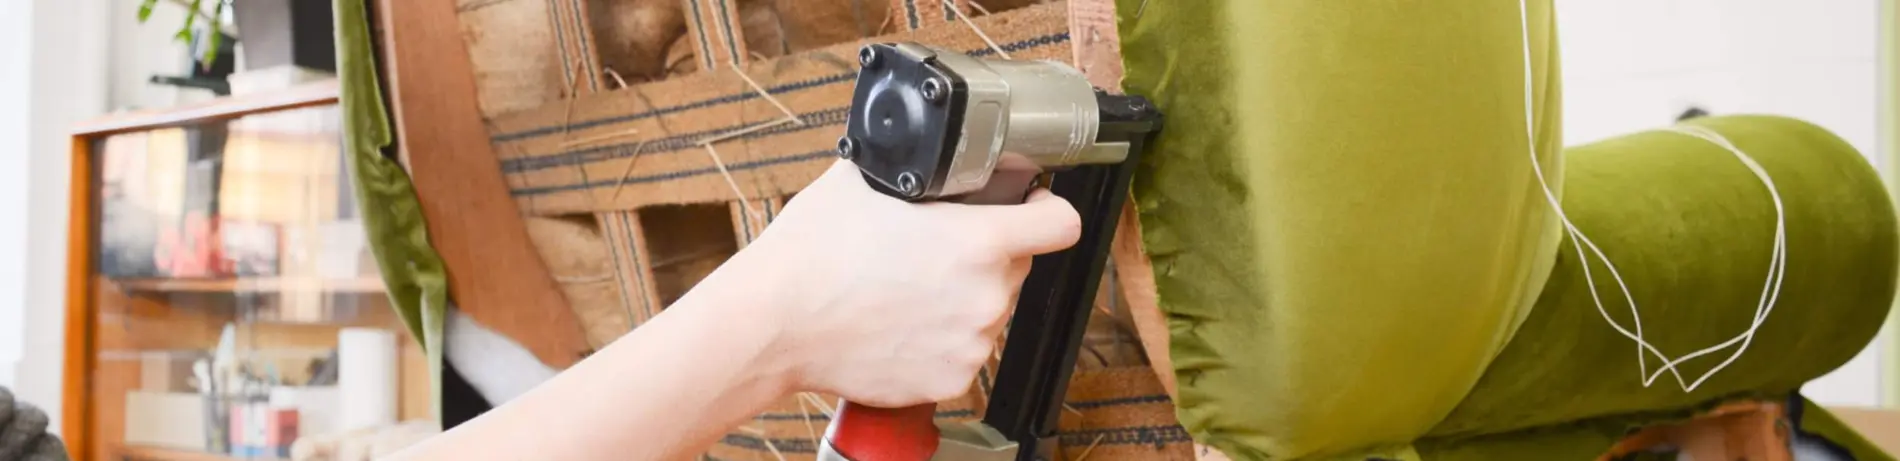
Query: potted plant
{"type": "Point", "coordinates": [282, 33]}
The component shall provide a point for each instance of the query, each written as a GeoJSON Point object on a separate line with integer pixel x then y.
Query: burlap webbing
{"type": "Point", "coordinates": [512, 52]}
{"type": "Point", "coordinates": [574, 38]}
{"type": "Point", "coordinates": [750, 217]}
{"type": "Point", "coordinates": [664, 121]}
{"type": "Point", "coordinates": [627, 244]}
{"type": "Point", "coordinates": [1119, 412]}
{"type": "Point", "coordinates": [713, 27]}
{"type": "Point", "coordinates": [921, 14]}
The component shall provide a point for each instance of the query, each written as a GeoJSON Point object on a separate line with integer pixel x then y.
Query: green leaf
{"type": "Point", "coordinates": [145, 10]}
{"type": "Point", "coordinates": [217, 35]}
{"type": "Point", "coordinates": [185, 33]}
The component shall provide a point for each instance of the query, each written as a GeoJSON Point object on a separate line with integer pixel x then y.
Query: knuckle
{"type": "Point", "coordinates": [1071, 227]}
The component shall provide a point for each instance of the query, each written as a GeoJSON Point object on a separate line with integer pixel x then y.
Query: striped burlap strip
{"type": "Point", "coordinates": [574, 39]}
{"type": "Point", "coordinates": [633, 267]}
{"type": "Point", "coordinates": [920, 14]}
{"type": "Point", "coordinates": [548, 176]}
{"type": "Point", "coordinates": [713, 26]}
{"type": "Point", "coordinates": [745, 227]}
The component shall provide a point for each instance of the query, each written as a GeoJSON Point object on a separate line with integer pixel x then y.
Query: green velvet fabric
{"type": "Point", "coordinates": [1818, 422]}
{"type": "Point", "coordinates": [1355, 259]}
{"type": "Point", "coordinates": [417, 280]}
{"type": "Point", "coordinates": [1691, 231]}
{"type": "Point", "coordinates": [1341, 213]}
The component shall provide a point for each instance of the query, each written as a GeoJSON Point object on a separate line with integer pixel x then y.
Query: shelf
{"type": "Point", "coordinates": [360, 285]}
{"type": "Point", "coordinates": [138, 453]}
{"type": "Point", "coordinates": [305, 95]}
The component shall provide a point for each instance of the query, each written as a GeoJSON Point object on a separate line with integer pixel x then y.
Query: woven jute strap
{"type": "Point", "coordinates": [713, 26]}
{"type": "Point", "coordinates": [549, 174]}
{"type": "Point", "coordinates": [750, 217]}
{"type": "Point", "coordinates": [574, 40]}
{"type": "Point", "coordinates": [919, 14]}
{"type": "Point", "coordinates": [633, 268]}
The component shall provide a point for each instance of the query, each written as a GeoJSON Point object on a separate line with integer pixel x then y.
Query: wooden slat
{"type": "Point", "coordinates": [1135, 276]}
{"type": "Point", "coordinates": [495, 276]}
{"type": "Point", "coordinates": [512, 49]}
{"type": "Point", "coordinates": [76, 394]}
{"type": "Point", "coordinates": [1097, 43]}
{"type": "Point", "coordinates": [306, 95]}
{"type": "Point", "coordinates": [648, 134]}
{"type": "Point", "coordinates": [1097, 52]}
{"type": "Point", "coordinates": [254, 285]}
{"type": "Point", "coordinates": [112, 381]}
{"type": "Point", "coordinates": [138, 453]}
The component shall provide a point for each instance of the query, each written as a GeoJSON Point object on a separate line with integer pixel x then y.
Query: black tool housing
{"type": "Point", "coordinates": [905, 119]}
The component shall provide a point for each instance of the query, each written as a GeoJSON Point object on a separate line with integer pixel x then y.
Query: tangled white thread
{"type": "Point", "coordinates": [1777, 263]}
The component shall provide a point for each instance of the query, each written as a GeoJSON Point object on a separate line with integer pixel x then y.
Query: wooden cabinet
{"type": "Point", "coordinates": [222, 301]}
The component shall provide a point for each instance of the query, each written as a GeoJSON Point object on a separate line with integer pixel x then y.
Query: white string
{"type": "Point", "coordinates": [1777, 262]}
{"type": "Point", "coordinates": [1771, 288]}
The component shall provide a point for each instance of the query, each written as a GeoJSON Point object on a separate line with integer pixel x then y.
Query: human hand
{"type": "Point", "coordinates": [890, 304]}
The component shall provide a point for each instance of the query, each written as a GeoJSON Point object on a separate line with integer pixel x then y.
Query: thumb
{"type": "Point", "coordinates": [1044, 223]}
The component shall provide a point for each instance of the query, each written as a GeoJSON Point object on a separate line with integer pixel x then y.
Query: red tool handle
{"type": "Point", "coordinates": [865, 433]}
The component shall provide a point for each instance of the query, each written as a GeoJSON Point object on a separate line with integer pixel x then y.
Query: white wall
{"type": "Point", "coordinates": [1630, 65]}
{"type": "Point", "coordinates": [139, 51]}
{"type": "Point", "coordinates": [61, 62]}
{"type": "Point", "coordinates": [15, 21]}
{"type": "Point", "coordinates": [52, 75]}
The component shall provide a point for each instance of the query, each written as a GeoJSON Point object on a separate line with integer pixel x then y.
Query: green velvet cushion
{"type": "Point", "coordinates": [1341, 212]}
{"type": "Point", "coordinates": [1690, 229]}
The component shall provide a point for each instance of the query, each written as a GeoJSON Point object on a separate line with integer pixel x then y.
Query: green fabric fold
{"type": "Point", "coordinates": [1356, 260]}
{"type": "Point", "coordinates": [1817, 421]}
{"type": "Point", "coordinates": [1341, 213]}
{"type": "Point", "coordinates": [412, 272]}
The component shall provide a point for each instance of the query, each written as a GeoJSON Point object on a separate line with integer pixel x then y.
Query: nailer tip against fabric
{"type": "Point", "coordinates": [932, 124]}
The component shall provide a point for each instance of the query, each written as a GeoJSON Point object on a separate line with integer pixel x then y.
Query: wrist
{"type": "Point", "coordinates": [787, 298]}
{"type": "Point", "coordinates": [746, 302]}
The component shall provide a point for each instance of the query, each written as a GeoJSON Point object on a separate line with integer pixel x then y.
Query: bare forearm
{"type": "Point", "coordinates": [664, 392]}
{"type": "Point", "coordinates": [849, 293]}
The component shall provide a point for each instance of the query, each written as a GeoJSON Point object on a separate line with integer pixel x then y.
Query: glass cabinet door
{"type": "Point", "coordinates": [236, 306]}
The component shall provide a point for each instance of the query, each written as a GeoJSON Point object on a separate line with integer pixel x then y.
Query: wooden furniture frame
{"type": "Point", "coordinates": [77, 414]}
{"type": "Point", "coordinates": [88, 414]}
